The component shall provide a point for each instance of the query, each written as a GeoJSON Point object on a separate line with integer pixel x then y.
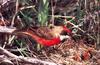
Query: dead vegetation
{"type": "Point", "coordinates": [82, 17]}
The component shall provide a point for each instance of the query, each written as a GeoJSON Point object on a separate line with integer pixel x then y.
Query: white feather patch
{"type": "Point", "coordinates": [62, 37]}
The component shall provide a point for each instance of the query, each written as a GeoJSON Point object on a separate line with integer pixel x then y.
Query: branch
{"type": "Point", "coordinates": [77, 27]}
{"type": "Point", "coordinates": [25, 59]}
{"type": "Point", "coordinates": [5, 29]}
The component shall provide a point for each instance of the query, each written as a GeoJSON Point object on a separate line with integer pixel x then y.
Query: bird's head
{"type": "Point", "coordinates": [60, 30]}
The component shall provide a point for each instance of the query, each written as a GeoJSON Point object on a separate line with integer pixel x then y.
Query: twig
{"type": "Point", "coordinates": [2, 19]}
{"type": "Point", "coordinates": [77, 27]}
{"type": "Point", "coordinates": [5, 29]}
{"type": "Point", "coordinates": [25, 59]}
{"type": "Point", "coordinates": [16, 11]}
{"type": "Point", "coordinates": [7, 53]}
{"type": "Point", "coordinates": [5, 60]}
{"type": "Point", "coordinates": [60, 16]}
{"type": "Point", "coordinates": [27, 7]}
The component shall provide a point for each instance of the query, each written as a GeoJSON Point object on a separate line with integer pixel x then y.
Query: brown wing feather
{"type": "Point", "coordinates": [43, 32]}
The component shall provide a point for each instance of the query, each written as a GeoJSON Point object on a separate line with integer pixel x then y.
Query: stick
{"type": "Point", "coordinates": [25, 59]}
{"type": "Point", "coordinates": [5, 29]}
{"type": "Point", "coordinates": [76, 26]}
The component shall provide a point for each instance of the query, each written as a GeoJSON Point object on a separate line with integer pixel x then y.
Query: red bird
{"type": "Point", "coordinates": [47, 36]}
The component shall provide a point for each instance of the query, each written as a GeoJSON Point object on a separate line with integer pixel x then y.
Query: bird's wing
{"type": "Point", "coordinates": [43, 32]}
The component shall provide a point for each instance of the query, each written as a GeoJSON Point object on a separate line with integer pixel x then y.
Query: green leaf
{"type": "Point", "coordinates": [43, 12]}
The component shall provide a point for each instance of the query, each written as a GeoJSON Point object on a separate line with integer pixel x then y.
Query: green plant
{"type": "Point", "coordinates": [43, 12]}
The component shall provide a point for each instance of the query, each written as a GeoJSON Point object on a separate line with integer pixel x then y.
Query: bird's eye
{"type": "Point", "coordinates": [51, 27]}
